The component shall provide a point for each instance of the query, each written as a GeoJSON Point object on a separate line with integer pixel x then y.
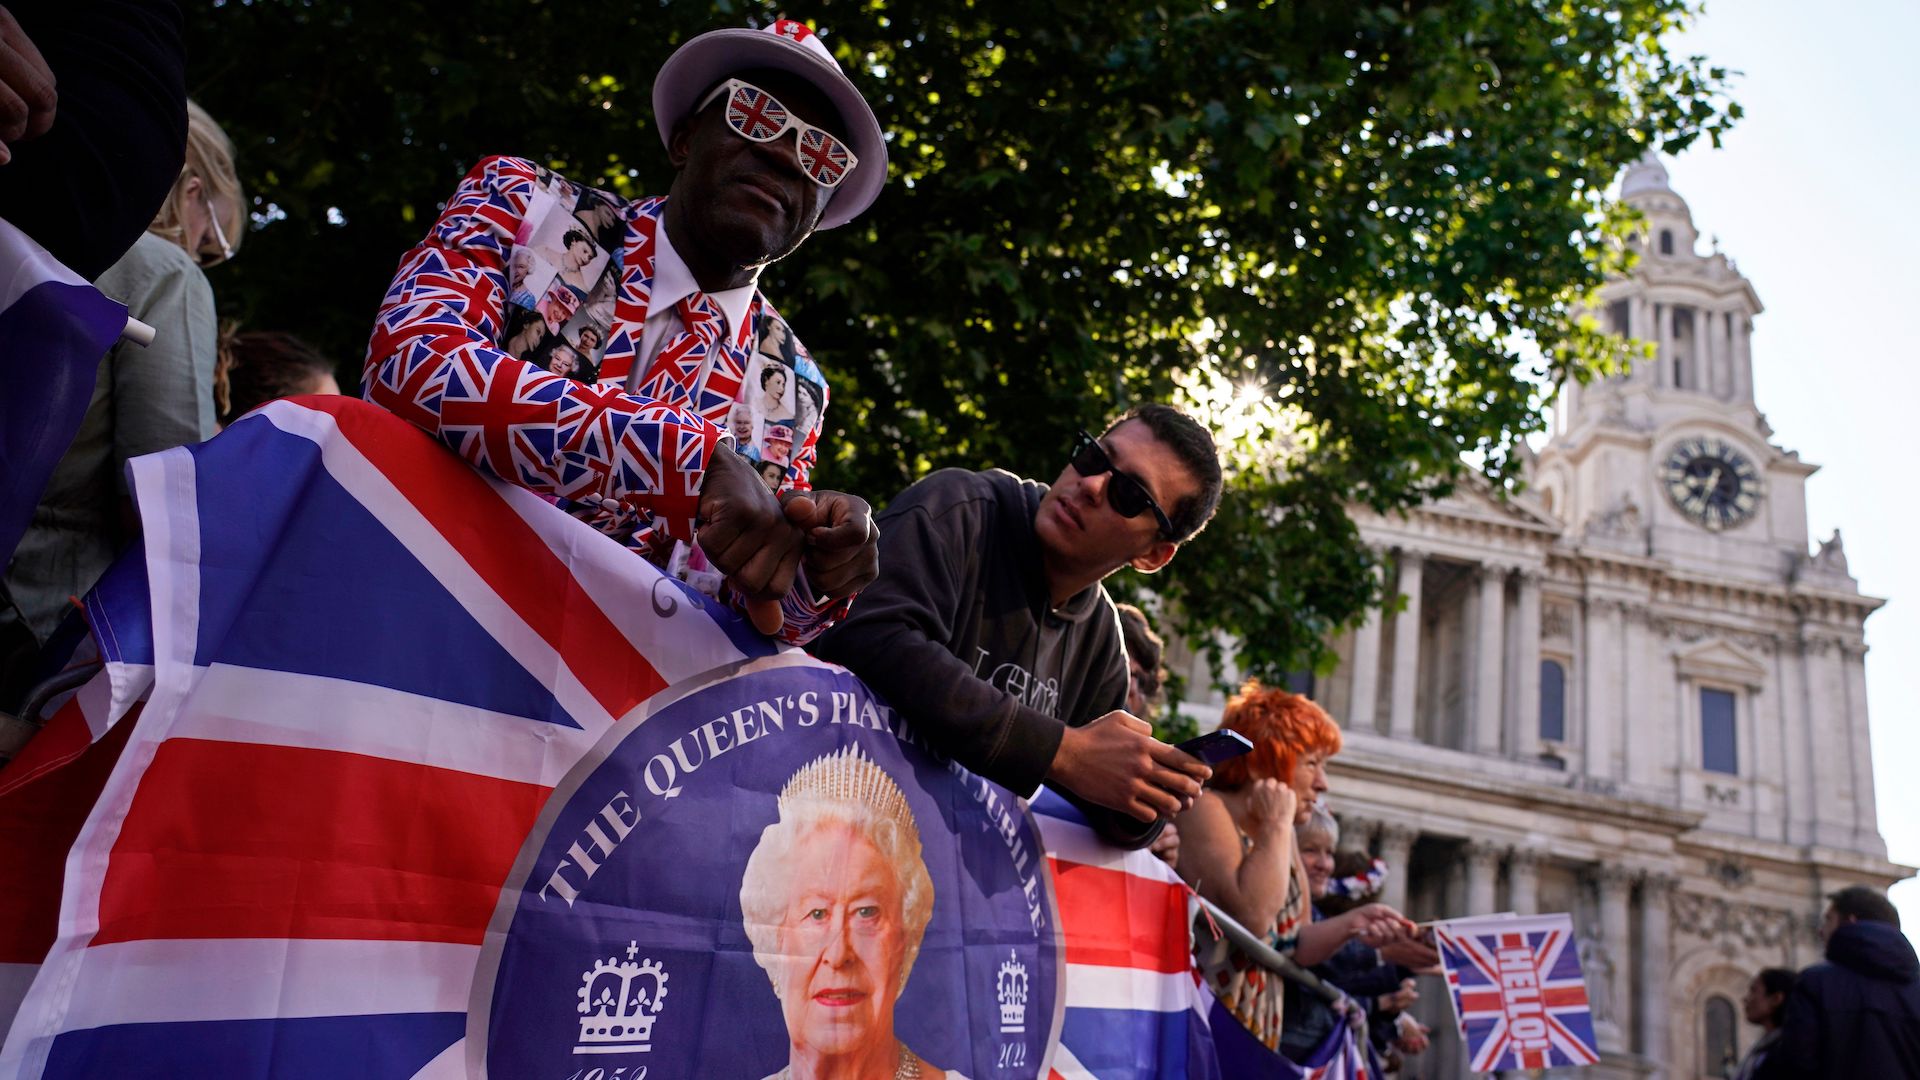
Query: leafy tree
{"type": "Point", "coordinates": [1356, 234]}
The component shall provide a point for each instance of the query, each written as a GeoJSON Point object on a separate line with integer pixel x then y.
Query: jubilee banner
{"type": "Point", "coordinates": [1518, 994]}
{"type": "Point", "coordinates": [396, 771]}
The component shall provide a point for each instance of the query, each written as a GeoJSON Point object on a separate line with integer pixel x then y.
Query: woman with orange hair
{"type": "Point", "coordinates": [1238, 847]}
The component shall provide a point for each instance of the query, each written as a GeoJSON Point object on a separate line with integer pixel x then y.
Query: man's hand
{"type": "Point", "coordinates": [27, 95]}
{"type": "Point", "coordinates": [843, 544]}
{"type": "Point", "coordinates": [1115, 761]}
{"type": "Point", "coordinates": [1166, 846]}
{"type": "Point", "coordinates": [752, 539]}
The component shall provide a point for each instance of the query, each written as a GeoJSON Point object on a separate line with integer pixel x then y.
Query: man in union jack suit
{"type": "Point", "coordinates": [604, 352]}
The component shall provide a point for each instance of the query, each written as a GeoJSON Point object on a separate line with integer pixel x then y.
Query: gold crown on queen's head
{"type": "Point", "coordinates": [847, 776]}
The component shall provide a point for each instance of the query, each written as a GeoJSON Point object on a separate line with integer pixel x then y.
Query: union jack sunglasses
{"type": "Point", "coordinates": [758, 116]}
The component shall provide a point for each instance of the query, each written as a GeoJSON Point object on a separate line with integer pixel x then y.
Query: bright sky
{"type": "Point", "coordinates": [1812, 195]}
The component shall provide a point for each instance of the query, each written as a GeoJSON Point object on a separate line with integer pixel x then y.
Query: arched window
{"type": "Point", "coordinates": [1719, 742]}
{"type": "Point", "coordinates": [1666, 241]}
{"type": "Point", "coordinates": [1718, 1053]}
{"type": "Point", "coordinates": [1553, 701]}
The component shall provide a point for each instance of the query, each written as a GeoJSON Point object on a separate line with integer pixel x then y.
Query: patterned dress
{"type": "Point", "coordinates": [1255, 996]}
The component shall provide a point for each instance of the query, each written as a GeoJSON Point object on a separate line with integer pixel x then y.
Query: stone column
{"type": "Point", "coordinates": [1670, 360]}
{"type": "Point", "coordinates": [1792, 703]}
{"type": "Point", "coordinates": [1523, 881]}
{"type": "Point", "coordinates": [1640, 328]}
{"type": "Point", "coordinates": [1483, 874]}
{"type": "Point", "coordinates": [1657, 350]}
{"type": "Point", "coordinates": [1406, 647]}
{"type": "Point", "coordinates": [1526, 660]}
{"type": "Point", "coordinates": [1742, 357]}
{"type": "Point", "coordinates": [1358, 834]}
{"type": "Point", "coordinates": [1853, 666]}
{"type": "Point", "coordinates": [1650, 319]}
{"type": "Point", "coordinates": [1608, 984]}
{"type": "Point", "coordinates": [1363, 709]}
{"type": "Point", "coordinates": [1717, 360]}
{"type": "Point", "coordinates": [1396, 848]}
{"type": "Point", "coordinates": [1600, 677]}
{"type": "Point", "coordinates": [1489, 642]}
{"type": "Point", "coordinates": [1639, 668]}
{"type": "Point", "coordinates": [1865, 799]}
{"type": "Point", "coordinates": [1654, 968]}
{"type": "Point", "coordinates": [1831, 755]}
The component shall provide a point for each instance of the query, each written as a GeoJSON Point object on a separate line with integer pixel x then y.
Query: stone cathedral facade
{"type": "Point", "coordinates": [1634, 693]}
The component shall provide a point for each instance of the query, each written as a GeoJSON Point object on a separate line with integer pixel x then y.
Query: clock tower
{"type": "Point", "coordinates": [1629, 692]}
{"type": "Point", "coordinates": [1673, 461]}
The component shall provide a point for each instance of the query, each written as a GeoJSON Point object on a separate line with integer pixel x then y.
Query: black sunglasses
{"type": "Point", "coordinates": [1125, 493]}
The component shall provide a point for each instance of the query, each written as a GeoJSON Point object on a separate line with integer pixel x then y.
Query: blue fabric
{"type": "Point", "coordinates": [51, 342]}
{"type": "Point", "coordinates": [308, 1048]}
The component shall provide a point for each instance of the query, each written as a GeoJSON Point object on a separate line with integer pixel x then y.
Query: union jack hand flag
{"type": "Point", "coordinates": [1518, 994]}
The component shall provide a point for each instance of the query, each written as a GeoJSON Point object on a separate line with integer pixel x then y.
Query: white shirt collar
{"type": "Point", "coordinates": [673, 282]}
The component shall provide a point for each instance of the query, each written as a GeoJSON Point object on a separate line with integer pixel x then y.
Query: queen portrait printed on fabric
{"type": "Point", "coordinates": [836, 900]}
{"type": "Point", "coordinates": [770, 876]}
{"type": "Point", "coordinates": [784, 399]}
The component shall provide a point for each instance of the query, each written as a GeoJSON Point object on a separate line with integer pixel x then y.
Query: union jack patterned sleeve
{"type": "Point", "coordinates": [435, 361]}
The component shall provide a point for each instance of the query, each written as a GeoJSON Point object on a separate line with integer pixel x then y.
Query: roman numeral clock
{"type": "Point", "coordinates": [1711, 482]}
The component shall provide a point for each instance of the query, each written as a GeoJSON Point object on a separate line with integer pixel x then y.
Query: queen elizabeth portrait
{"type": "Point", "coordinates": [836, 899]}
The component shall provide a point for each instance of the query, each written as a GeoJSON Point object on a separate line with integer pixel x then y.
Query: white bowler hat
{"type": "Point", "coordinates": [794, 48]}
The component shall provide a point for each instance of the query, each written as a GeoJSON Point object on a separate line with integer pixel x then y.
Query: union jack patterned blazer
{"type": "Point", "coordinates": [510, 333]}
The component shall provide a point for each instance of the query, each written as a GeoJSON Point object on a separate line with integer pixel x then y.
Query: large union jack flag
{"type": "Point", "coordinates": [341, 680]}
{"type": "Point", "coordinates": [1517, 992]}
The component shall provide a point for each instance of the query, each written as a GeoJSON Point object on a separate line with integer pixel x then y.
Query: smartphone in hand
{"type": "Point", "coordinates": [1216, 746]}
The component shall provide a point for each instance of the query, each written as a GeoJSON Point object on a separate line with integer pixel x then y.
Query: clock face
{"type": "Point", "coordinates": [1711, 482]}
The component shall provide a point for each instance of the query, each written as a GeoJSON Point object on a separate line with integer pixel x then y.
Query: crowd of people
{"type": "Point", "coordinates": [618, 357]}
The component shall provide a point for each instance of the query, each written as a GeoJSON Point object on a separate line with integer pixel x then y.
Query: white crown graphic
{"type": "Point", "coordinates": [616, 1014]}
{"type": "Point", "coordinates": [1010, 987]}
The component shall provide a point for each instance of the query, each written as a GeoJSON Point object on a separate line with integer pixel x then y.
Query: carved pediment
{"type": "Point", "coordinates": [1722, 661]}
{"type": "Point", "coordinates": [1475, 498]}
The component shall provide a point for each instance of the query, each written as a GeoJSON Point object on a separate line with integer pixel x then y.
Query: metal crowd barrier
{"type": "Point", "coordinates": [1254, 948]}
{"type": "Point", "coordinates": [15, 730]}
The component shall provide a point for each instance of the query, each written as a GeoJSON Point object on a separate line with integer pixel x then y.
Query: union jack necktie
{"type": "Point", "coordinates": [674, 375]}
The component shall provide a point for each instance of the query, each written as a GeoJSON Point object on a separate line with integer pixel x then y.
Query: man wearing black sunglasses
{"type": "Point", "coordinates": [659, 300]}
{"type": "Point", "coordinates": [989, 629]}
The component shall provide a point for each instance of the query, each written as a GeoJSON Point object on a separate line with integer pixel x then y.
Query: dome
{"type": "Point", "coordinates": [1646, 175]}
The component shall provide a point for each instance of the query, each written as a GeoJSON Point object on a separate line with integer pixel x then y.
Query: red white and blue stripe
{"type": "Point", "coordinates": [225, 910]}
{"type": "Point", "coordinates": [1134, 1005]}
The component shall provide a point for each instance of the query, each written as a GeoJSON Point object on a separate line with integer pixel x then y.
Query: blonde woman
{"type": "Point", "coordinates": [145, 399]}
